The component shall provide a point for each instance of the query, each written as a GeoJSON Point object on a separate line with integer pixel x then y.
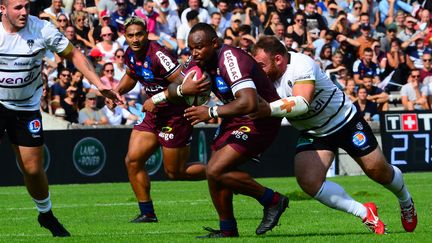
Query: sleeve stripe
{"type": "Point", "coordinates": [304, 82]}
{"type": "Point", "coordinates": [247, 83]}
{"type": "Point", "coordinates": [67, 50]}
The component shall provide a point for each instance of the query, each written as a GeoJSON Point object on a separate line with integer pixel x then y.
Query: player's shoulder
{"type": "Point", "coordinates": [300, 59]}
{"type": "Point", "coordinates": [34, 23]}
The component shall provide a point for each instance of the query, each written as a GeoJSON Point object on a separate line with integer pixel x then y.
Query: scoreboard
{"type": "Point", "coordinates": [406, 139]}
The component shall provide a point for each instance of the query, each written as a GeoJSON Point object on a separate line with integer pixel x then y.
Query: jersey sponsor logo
{"type": "Point", "coordinates": [89, 156]}
{"type": "Point", "coordinates": [166, 62]}
{"type": "Point", "coordinates": [166, 134]}
{"type": "Point", "coordinates": [19, 80]}
{"type": "Point", "coordinates": [409, 122]}
{"type": "Point", "coordinates": [359, 139]}
{"type": "Point", "coordinates": [34, 126]}
{"type": "Point", "coordinates": [306, 77]}
{"type": "Point", "coordinates": [221, 85]}
{"type": "Point", "coordinates": [302, 141]}
{"type": "Point", "coordinates": [154, 88]}
{"type": "Point", "coordinates": [241, 133]}
{"type": "Point", "coordinates": [231, 65]}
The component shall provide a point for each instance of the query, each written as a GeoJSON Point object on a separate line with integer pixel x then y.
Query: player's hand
{"type": "Point", "coordinates": [197, 114]}
{"type": "Point", "coordinates": [111, 94]}
{"type": "Point", "coordinates": [262, 111]}
{"type": "Point", "coordinates": [193, 87]}
{"type": "Point", "coordinates": [149, 106]}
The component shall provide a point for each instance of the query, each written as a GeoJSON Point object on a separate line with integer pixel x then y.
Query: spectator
{"type": "Point", "coordinates": [390, 35]}
{"type": "Point", "coordinates": [119, 16]}
{"type": "Point", "coordinates": [289, 42]}
{"type": "Point", "coordinates": [96, 57]}
{"type": "Point", "coordinates": [104, 20]}
{"type": "Point", "coordinates": [246, 39]}
{"type": "Point", "coordinates": [270, 25]}
{"type": "Point", "coordinates": [172, 19]}
{"type": "Point", "coordinates": [298, 30]}
{"type": "Point", "coordinates": [328, 39]}
{"type": "Point", "coordinates": [107, 46]}
{"type": "Point", "coordinates": [416, 52]}
{"type": "Point", "coordinates": [108, 76]}
{"type": "Point", "coordinates": [117, 115]}
{"type": "Point", "coordinates": [60, 113]}
{"type": "Point", "coordinates": [354, 16]}
{"type": "Point", "coordinates": [348, 51]}
{"type": "Point", "coordinates": [285, 12]}
{"type": "Point", "coordinates": [90, 114]}
{"type": "Point", "coordinates": [396, 70]}
{"type": "Point", "coordinates": [414, 94]}
{"type": "Point", "coordinates": [106, 5]}
{"type": "Point", "coordinates": [336, 67]}
{"type": "Point", "coordinates": [52, 11]}
{"type": "Point", "coordinates": [341, 25]}
{"type": "Point", "coordinates": [184, 55]}
{"type": "Point", "coordinates": [59, 88]}
{"type": "Point", "coordinates": [83, 32]}
{"type": "Point", "coordinates": [77, 82]}
{"type": "Point", "coordinates": [151, 17]}
{"type": "Point", "coordinates": [119, 64]}
{"type": "Point", "coordinates": [388, 8]}
{"type": "Point", "coordinates": [365, 107]}
{"type": "Point", "coordinates": [325, 56]}
{"type": "Point", "coordinates": [62, 22]}
{"type": "Point", "coordinates": [376, 94]}
{"type": "Point", "coordinates": [365, 40]}
{"type": "Point", "coordinates": [223, 8]}
{"type": "Point", "coordinates": [233, 30]}
{"type": "Point", "coordinates": [45, 105]}
{"type": "Point", "coordinates": [350, 90]}
{"type": "Point", "coordinates": [136, 108]}
{"type": "Point", "coordinates": [70, 105]}
{"type": "Point", "coordinates": [183, 31]}
{"type": "Point", "coordinates": [364, 66]}
{"type": "Point", "coordinates": [313, 19]}
{"type": "Point", "coordinates": [203, 14]}
{"type": "Point", "coordinates": [331, 14]}
{"type": "Point", "coordinates": [89, 12]}
{"type": "Point", "coordinates": [425, 25]}
{"type": "Point", "coordinates": [426, 71]}
{"type": "Point", "coordinates": [409, 35]}
{"type": "Point", "coordinates": [215, 19]}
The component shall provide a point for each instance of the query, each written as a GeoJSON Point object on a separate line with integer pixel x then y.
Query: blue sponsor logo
{"type": "Point", "coordinates": [359, 139]}
{"type": "Point", "coordinates": [35, 126]}
{"type": "Point", "coordinates": [221, 85]}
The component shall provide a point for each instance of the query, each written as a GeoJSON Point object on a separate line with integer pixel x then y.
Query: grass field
{"type": "Point", "coordinates": [100, 213]}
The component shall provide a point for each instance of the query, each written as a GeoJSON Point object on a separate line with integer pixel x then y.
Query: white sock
{"type": "Point", "coordinates": [43, 205]}
{"type": "Point", "coordinates": [334, 196]}
{"type": "Point", "coordinates": [397, 186]}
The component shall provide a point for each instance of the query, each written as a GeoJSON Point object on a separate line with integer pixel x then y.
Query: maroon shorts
{"type": "Point", "coordinates": [250, 138]}
{"type": "Point", "coordinates": [172, 129]}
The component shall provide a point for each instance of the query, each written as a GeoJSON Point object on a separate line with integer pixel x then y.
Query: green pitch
{"type": "Point", "coordinates": [100, 213]}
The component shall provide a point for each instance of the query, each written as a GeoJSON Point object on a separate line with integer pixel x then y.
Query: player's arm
{"type": "Point", "coordinates": [246, 102]}
{"type": "Point", "coordinates": [297, 104]}
{"type": "Point", "coordinates": [87, 69]}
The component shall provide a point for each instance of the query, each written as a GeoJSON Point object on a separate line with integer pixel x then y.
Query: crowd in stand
{"type": "Point", "coordinates": [378, 52]}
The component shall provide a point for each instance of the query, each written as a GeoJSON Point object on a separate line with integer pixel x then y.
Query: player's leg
{"type": "Point", "coordinates": [176, 167]}
{"type": "Point", "coordinates": [30, 161]}
{"type": "Point", "coordinates": [313, 181]}
{"type": "Point", "coordinates": [376, 167]}
{"type": "Point", "coordinates": [142, 144]}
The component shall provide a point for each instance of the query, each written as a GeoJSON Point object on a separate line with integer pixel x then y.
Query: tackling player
{"type": "Point", "coordinates": [151, 64]}
{"type": "Point", "coordinates": [237, 82]}
{"type": "Point", "coordinates": [327, 120]}
{"type": "Point", "coordinates": [23, 42]}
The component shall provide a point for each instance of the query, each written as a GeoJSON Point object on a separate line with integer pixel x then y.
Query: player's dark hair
{"type": "Point", "coordinates": [270, 45]}
{"type": "Point", "coordinates": [208, 30]}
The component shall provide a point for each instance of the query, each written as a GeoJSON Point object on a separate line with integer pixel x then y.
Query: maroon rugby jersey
{"type": "Point", "coordinates": [152, 69]}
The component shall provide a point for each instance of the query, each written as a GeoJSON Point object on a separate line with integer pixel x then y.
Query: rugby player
{"type": "Point", "coordinates": [24, 40]}
{"type": "Point", "coordinates": [164, 124]}
{"type": "Point", "coordinates": [327, 120]}
{"type": "Point", "coordinates": [237, 81]}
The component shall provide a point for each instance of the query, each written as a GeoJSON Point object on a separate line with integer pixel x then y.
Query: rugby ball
{"type": "Point", "coordinates": [199, 99]}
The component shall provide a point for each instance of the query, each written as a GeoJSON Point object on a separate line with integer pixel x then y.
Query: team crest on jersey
{"type": "Point", "coordinates": [221, 85]}
{"type": "Point", "coordinates": [30, 44]}
{"type": "Point", "coordinates": [57, 39]}
{"type": "Point", "coordinates": [359, 139]}
{"type": "Point", "coordinates": [359, 126]}
{"type": "Point", "coordinates": [34, 126]}
{"type": "Point", "coordinates": [290, 83]}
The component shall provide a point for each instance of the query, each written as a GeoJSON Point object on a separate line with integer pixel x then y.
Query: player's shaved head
{"type": "Point", "coordinates": [209, 32]}
{"type": "Point", "coordinates": [271, 45]}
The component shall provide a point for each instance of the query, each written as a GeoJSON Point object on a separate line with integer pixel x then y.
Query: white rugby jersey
{"type": "Point", "coordinates": [329, 110]}
{"type": "Point", "coordinates": [21, 56]}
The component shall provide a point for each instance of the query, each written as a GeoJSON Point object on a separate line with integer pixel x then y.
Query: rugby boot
{"type": "Point", "coordinates": [145, 218]}
{"type": "Point", "coordinates": [50, 222]}
{"type": "Point", "coordinates": [372, 222]}
{"type": "Point", "coordinates": [218, 233]}
{"type": "Point", "coordinates": [272, 214]}
{"type": "Point", "coordinates": [409, 217]}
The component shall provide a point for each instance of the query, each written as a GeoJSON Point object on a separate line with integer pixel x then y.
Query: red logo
{"type": "Point", "coordinates": [409, 122]}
